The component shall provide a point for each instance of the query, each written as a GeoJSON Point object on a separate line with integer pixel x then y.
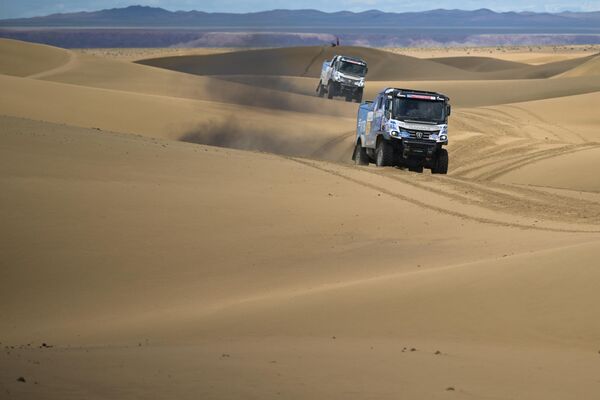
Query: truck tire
{"type": "Point", "coordinates": [330, 90]}
{"type": "Point", "coordinates": [384, 154]}
{"type": "Point", "coordinates": [358, 96]}
{"type": "Point", "coordinates": [360, 156]}
{"type": "Point", "coordinates": [441, 163]}
{"type": "Point", "coordinates": [321, 90]}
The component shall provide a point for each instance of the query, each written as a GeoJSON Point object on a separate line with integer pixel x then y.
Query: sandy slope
{"type": "Point", "coordinates": [479, 64]}
{"type": "Point", "coordinates": [25, 59]}
{"type": "Point", "coordinates": [111, 74]}
{"type": "Point", "coordinates": [383, 65]}
{"type": "Point", "coordinates": [158, 268]}
{"type": "Point", "coordinates": [533, 55]}
{"type": "Point", "coordinates": [472, 93]}
{"type": "Point", "coordinates": [305, 61]}
{"type": "Point", "coordinates": [589, 68]}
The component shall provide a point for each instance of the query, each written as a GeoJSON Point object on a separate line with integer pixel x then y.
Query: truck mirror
{"type": "Point", "coordinates": [366, 70]}
{"type": "Point", "coordinates": [449, 109]}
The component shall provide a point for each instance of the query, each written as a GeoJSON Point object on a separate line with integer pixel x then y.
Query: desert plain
{"type": "Point", "coordinates": [189, 225]}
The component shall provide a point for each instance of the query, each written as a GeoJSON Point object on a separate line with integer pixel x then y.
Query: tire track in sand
{"type": "Point", "coordinates": [336, 170]}
{"type": "Point", "coordinates": [312, 61]}
{"type": "Point", "coordinates": [525, 202]}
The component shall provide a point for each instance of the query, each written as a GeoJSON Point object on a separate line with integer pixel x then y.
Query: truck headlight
{"type": "Point", "coordinates": [443, 138]}
{"type": "Point", "coordinates": [361, 83]}
{"type": "Point", "coordinates": [395, 133]}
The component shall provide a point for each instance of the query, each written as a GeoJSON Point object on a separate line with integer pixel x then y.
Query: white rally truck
{"type": "Point", "coordinates": [404, 127]}
{"type": "Point", "coordinates": [343, 76]}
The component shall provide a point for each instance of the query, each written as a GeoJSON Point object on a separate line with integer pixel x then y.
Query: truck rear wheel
{"type": "Point", "coordinates": [441, 163]}
{"type": "Point", "coordinates": [384, 154]}
{"type": "Point", "coordinates": [360, 156]}
{"type": "Point", "coordinates": [330, 90]}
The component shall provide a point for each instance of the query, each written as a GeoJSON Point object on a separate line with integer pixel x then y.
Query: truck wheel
{"type": "Point", "coordinates": [358, 96]}
{"type": "Point", "coordinates": [441, 163]}
{"type": "Point", "coordinates": [321, 90]}
{"type": "Point", "coordinates": [360, 156]}
{"type": "Point", "coordinates": [330, 90]}
{"type": "Point", "coordinates": [416, 168]}
{"type": "Point", "coordinates": [384, 154]}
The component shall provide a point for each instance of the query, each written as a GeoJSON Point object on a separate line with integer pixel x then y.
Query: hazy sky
{"type": "Point", "coordinates": [28, 8]}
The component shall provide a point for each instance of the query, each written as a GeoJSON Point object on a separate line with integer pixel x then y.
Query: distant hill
{"type": "Point", "coordinates": [144, 16]}
{"type": "Point", "coordinates": [141, 26]}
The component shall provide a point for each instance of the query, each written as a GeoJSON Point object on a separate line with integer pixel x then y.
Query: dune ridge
{"type": "Point", "coordinates": [590, 68]}
{"type": "Point", "coordinates": [383, 65]}
{"type": "Point", "coordinates": [26, 59]}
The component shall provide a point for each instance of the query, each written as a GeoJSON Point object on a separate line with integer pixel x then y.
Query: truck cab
{"type": "Point", "coordinates": [343, 76]}
{"type": "Point", "coordinates": [404, 127]}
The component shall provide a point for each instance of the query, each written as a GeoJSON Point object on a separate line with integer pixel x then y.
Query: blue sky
{"type": "Point", "coordinates": [28, 8]}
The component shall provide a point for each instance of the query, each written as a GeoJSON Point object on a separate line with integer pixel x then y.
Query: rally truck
{"type": "Point", "coordinates": [343, 76]}
{"type": "Point", "coordinates": [404, 127]}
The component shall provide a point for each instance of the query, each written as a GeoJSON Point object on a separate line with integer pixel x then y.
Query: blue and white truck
{"type": "Point", "coordinates": [404, 127]}
{"type": "Point", "coordinates": [343, 76]}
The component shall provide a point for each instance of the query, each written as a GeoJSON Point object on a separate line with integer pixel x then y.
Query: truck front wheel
{"type": "Point", "coordinates": [330, 90]}
{"type": "Point", "coordinates": [384, 154]}
{"type": "Point", "coordinates": [321, 90]}
{"type": "Point", "coordinates": [440, 165]}
{"type": "Point", "coordinates": [360, 155]}
{"type": "Point", "coordinates": [358, 96]}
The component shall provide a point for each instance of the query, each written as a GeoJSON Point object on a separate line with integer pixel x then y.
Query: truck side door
{"type": "Point", "coordinates": [378, 112]}
{"type": "Point", "coordinates": [373, 123]}
{"type": "Point", "coordinates": [332, 67]}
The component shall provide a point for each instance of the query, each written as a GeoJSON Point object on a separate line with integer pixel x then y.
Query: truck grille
{"type": "Point", "coordinates": [424, 134]}
{"type": "Point", "coordinates": [418, 147]}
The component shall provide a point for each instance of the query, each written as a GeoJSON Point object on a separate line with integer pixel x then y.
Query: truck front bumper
{"type": "Point", "coordinates": [344, 88]}
{"type": "Point", "coordinates": [417, 149]}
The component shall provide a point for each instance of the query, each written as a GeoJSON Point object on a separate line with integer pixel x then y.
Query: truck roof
{"type": "Point", "coordinates": [407, 92]}
{"type": "Point", "coordinates": [353, 59]}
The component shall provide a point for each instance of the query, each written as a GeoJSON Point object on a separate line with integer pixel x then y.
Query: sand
{"type": "Point", "coordinates": [170, 235]}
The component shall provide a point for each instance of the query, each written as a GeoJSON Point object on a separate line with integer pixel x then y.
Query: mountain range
{"type": "Point", "coordinates": [145, 16]}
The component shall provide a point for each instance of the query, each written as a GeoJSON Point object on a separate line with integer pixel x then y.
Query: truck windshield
{"type": "Point", "coordinates": [352, 68]}
{"type": "Point", "coordinates": [419, 110]}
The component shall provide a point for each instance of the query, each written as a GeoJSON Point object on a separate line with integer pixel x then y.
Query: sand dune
{"type": "Point", "coordinates": [110, 74]}
{"type": "Point", "coordinates": [177, 235]}
{"type": "Point", "coordinates": [25, 59]}
{"type": "Point", "coordinates": [472, 93]}
{"type": "Point", "coordinates": [540, 71]}
{"type": "Point", "coordinates": [479, 64]}
{"type": "Point", "coordinates": [306, 62]}
{"type": "Point", "coordinates": [174, 118]}
{"type": "Point", "coordinates": [521, 54]}
{"type": "Point", "coordinates": [575, 171]}
{"type": "Point", "coordinates": [589, 68]}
